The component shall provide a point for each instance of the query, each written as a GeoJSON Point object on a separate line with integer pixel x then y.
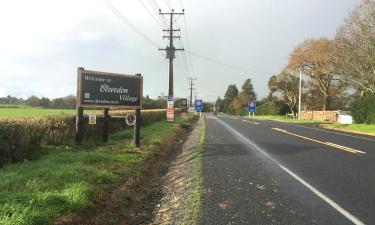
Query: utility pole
{"type": "Point", "coordinates": [170, 50]}
{"type": "Point", "coordinates": [299, 94]}
{"type": "Point", "coordinates": [191, 90]}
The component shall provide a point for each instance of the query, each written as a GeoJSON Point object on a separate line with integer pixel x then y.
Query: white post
{"type": "Point", "coordinates": [249, 114]}
{"type": "Point", "coordinates": [299, 95]}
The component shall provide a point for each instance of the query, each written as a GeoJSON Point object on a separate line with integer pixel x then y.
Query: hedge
{"type": "Point", "coordinates": [20, 139]}
{"type": "Point", "coordinates": [363, 109]}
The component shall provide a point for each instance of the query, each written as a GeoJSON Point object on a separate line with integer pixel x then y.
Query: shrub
{"type": "Point", "coordinates": [363, 109]}
{"type": "Point", "coordinates": [268, 108]}
{"type": "Point", "coordinates": [20, 139]}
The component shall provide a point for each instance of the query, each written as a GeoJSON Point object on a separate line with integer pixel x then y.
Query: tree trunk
{"type": "Point", "coordinates": [325, 102]}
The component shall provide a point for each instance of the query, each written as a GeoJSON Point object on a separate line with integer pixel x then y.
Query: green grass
{"type": "Point", "coordinates": [194, 198]}
{"type": "Point", "coordinates": [66, 178]}
{"type": "Point", "coordinates": [289, 120]}
{"type": "Point", "coordinates": [360, 128]}
{"type": "Point", "coordinates": [26, 111]}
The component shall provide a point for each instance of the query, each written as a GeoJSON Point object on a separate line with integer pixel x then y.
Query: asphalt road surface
{"type": "Point", "coordinates": [265, 172]}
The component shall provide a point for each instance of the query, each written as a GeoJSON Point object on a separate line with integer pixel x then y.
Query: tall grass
{"type": "Point", "coordinates": [68, 178]}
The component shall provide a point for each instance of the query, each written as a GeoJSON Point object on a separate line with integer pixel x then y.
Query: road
{"type": "Point", "coordinates": [266, 172]}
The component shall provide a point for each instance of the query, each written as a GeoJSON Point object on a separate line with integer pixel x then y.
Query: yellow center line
{"type": "Point", "coordinates": [340, 147]}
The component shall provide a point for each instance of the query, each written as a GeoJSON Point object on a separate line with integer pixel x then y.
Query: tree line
{"type": "Point", "coordinates": [234, 101]}
{"type": "Point", "coordinates": [34, 101]}
{"type": "Point", "coordinates": [336, 71]}
{"type": "Point", "coordinates": [70, 102]}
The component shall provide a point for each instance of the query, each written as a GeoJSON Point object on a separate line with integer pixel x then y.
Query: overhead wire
{"type": "Point", "coordinates": [169, 4]}
{"type": "Point", "coordinates": [188, 44]}
{"type": "Point", "coordinates": [157, 9]}
{"type": "Point", "coordinates": [149, 12]}
{"type": "Point", "coordinates": [131, 25]}
{"type": "Point", "coordinates": [146, 38]}
{"type": "Point", "coordinates": [226, 64]}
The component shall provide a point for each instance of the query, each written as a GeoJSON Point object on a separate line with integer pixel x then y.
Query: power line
{"type": "Point", "coordinates": [169, 4]}
{"type": "Point", "coordinates": [227, 65]}
{"type": "Point", "coordinates": [156, 8]}
{"type": "Point", "coordinates": [187, 41]}
{"type": "Point", "coordinates": [149, 12]}
{"type": "Point", "coordinates": [132, 26]}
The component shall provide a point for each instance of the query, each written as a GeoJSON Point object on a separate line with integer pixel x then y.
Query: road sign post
{"type": "Point", "coordinates": [184, 107]}
{"type": "Point", "coordinates": [251, 107]}
{"type": "Point", "coordinates": [170, 109]}
{"type": "Point", "coordinates": [198, 106]}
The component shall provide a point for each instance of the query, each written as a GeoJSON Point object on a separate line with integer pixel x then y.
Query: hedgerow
{"type": "Point", "coordinates": [20, 139]}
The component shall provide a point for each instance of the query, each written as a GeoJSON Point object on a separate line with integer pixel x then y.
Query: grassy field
{"type": "Point", "coordinates": [289, 120]}
{"type": "Point", "coordinates": [11, 112]}
{"type": "Point", "coordinates": [66, 178]}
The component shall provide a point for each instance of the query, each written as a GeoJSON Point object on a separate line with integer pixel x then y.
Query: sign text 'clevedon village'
{"type": "Point", "coordinates": [106, 89]}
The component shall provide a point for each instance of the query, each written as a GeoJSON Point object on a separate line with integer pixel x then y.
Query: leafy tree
{"type": "Point", "coordinates": [218, 104]}
{"type": "Point", "coordinates": [11, 100]}
{"type": "Point", "coordinates": [57, 103]}
{"type": "Point", "coordinates": [44, 102]}
{"type": "Point", "coordinates": [363, 109]}
{"type": "Point", "coordinates": [232, 92]}
{"type": "Point", "coordinates": [33, 101]}
{"type": "Point", "coordinates": [230, 95]}
{"type": "Point", "coordinates": [248, 88]}
{"type": "Point", "coordinates": [208, 107]}
{"type": "Point", "coordinates": [318, 59]}
{"type": "Point", "coordinates": [247, 93]}
{"type": "Point", "coordinates": [286, 86]}
{"type": "Point", "coordinates": [159, 103]}
{"type": "Point", "coordinates": [236, 106]}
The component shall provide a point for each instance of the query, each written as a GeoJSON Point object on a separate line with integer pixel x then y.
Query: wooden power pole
{"type": "Point", "coordinates": [170, 50]}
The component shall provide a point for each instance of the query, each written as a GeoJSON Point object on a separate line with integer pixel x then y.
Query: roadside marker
{"type": "Point", "coordinates": [351, 150]}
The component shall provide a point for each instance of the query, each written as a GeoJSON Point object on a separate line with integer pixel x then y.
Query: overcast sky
{"type": "Point", "coordinates": [42, 42]}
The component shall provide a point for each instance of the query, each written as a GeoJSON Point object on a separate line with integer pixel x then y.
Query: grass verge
{"type": "Point", "coordinates": [194, 199]}
{"type": "Point", "coordinates": [67, 178]}
{"type": "Point", "coordinates": [368, 129]}
{"type": "Point", "coordinates": [290, 120]}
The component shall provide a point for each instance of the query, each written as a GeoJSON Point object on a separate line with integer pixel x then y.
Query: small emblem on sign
{"type": "Point", "coordinates": [130, 119]}
{"type": "Point", "coordinates": [92, 119]}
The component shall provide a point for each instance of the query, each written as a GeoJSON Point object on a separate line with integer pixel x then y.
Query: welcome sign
{"type": "Point", "coordinates": [100, 89]}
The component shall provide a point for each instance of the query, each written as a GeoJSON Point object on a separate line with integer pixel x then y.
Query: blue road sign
{"type": "Point", "coordinates": [252, 106]}
{"type": "Point", "coordinates": [198, 104]}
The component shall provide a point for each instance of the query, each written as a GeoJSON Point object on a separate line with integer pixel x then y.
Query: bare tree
{"type": "Point", "coordinates": [356, 40]}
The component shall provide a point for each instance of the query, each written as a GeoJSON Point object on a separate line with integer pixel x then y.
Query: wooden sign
{"type": "Point", "coordinates": [110, 90]}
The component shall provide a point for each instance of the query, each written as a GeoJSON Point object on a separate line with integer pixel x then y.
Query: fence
{"type": "Point", "coordinates": [331, 116]}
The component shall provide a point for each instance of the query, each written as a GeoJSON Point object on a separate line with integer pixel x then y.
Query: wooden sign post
{"type": "Point", "coordinates": [108, 91]}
